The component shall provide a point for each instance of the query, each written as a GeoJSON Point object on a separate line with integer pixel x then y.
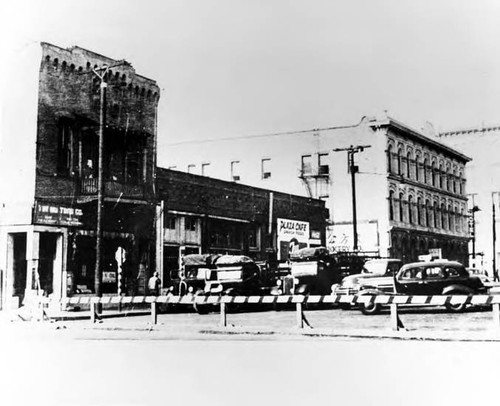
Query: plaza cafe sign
{"type": "Point", "coordinates": [289, 229]}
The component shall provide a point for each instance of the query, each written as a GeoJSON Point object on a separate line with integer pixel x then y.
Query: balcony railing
{"type": "Point", "coordinates": [89, 186]}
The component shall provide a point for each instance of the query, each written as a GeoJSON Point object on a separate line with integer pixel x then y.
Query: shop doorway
{"type": "Point", "coordinates": [19, 265]}
{"type": "Point", "coordinates": [48, 251]}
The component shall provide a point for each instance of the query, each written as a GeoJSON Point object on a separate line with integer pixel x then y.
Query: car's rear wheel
{"type": "Point", "coordinates": [233, 307]}
{"type": "Point", "coordinates": [456, 307]}
{"type": "Point", "coordinates": [369, 308]}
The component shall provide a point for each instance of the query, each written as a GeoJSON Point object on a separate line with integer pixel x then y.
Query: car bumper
{"type": "Point", "coordinates": [340, 290]}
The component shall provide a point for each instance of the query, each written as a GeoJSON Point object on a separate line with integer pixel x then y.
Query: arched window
{"type": "Point", "coordinates": [417, 167]}
{"type": "Point", "coordinates": [426, 167]}
{"type": "Point", "coordinates": [443, 216]}
{"type": "Point", "coordinates": [460, 220]}
{"type": "Point", "coordinates": [433, 173]}
{"type": "Point", "coordinates": [408, 165]}
{"type": "Point", "coordinates": [410, 209]}
{"type": "Point", "coordinates": [454, 180]}
{"type": "Point", "coordinates": [391, 207]}
{"type": "Point", "coordinates": [428, 209]}
{"type": "Point", "coordinates": [448, 178]}
{"type": "Point", "coordinates": [400, 164]}
{"type": "Point", "coordinates": [441, 176]}
{"type": "Point", "coordinates": [389, 159]}
{"type": "Point", "coordinates": [451, 218]}
{"type": "Point", "coordinates": [419, 211]}
{"type": "Point", "coordinates": [436, 215]}
{"type": "Point", "coordinates": [401, 208]}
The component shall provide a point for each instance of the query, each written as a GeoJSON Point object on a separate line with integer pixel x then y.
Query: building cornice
{"type": "Point", "coordinates": [400, 127]}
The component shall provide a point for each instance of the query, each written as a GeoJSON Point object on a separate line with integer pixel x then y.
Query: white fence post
{"type": "Point", "coordinates": [92, 312]}
{"type": "Point", "coordinates": [298, 313]}
{"type": "Point", "coordinates": [154, 313]}
{"type": "Point", "coordinates": [223, 319]}
{"type": "Point", "coordinates": [496, 315]}
{"type": "Point", "coordinates": [395, 322]}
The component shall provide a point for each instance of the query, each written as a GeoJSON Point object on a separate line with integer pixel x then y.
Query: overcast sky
{"type": "Point", "coordinates": [230, 68]}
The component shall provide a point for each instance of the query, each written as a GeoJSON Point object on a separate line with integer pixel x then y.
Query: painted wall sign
{"type": "Point", "coordinates": [57, 215]}
{"type": "Point", "coordinates": [292, 235]}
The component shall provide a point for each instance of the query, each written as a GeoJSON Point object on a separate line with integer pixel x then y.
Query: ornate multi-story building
{"type": "Point", "coordinates": [410, 188]}
{"type": "Point", "coordinates": [482, 143]}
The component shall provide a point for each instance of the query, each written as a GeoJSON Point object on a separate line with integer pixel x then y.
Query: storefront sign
{"type": "Point", "coordinates": [340, 237]}
{"type": "Point", "coordinates": [57, 215]}
{"type": "Point", "coordinates": [109, 277]}
{"type": "Point", "coordinates": [288, 229]}
{"type": "Point", "coordinates": [436, 253]}
{"type": "Point", "coordinates": [292, 235]}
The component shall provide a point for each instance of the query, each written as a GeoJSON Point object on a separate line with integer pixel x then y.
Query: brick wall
{"type": "Point", "coordinates": [68, 89]}
{"type": "Point", "coordinates": [198, 194]}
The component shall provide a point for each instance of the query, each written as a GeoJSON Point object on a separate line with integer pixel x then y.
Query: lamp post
{"type": "Point", "coordinates": [353, 169]}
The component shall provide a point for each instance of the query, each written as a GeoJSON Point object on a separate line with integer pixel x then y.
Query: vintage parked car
{"type": "Point", "coordinates": [232, 275]}
{"type": "Point", "coordinates": [372, 269]}
{"type": "Point", "coordinates": [377, 274]}
{"type": "Point", "coordinates": [193, 274]}
{"type": "Point", "coordinates": [428, 278]}
{"type": "Point", "coordinates": [312, 271]}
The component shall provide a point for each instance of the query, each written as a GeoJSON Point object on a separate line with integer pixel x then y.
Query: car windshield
{"type": "Point", "coordinates": [375, 267]}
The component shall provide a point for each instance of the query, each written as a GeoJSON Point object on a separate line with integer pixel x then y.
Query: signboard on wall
{"type": "Point", "coordinates": [292, 236]}
{"type": "Point", "coordinates": [340, 237]}
{"type": "Point", "coordinates": [57, 215]}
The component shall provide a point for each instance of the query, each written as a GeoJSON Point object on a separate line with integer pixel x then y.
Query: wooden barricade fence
{"type": "Point", "coordinates": [392, 301]}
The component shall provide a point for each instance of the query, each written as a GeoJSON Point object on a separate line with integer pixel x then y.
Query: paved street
{"type": "Point", "coordinates": [192, 372]}
{"type": "Point", "coordinates": [188, 359]}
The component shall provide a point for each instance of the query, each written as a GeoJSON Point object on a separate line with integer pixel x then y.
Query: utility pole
{"type": "Point", "coordinates": [493, 218]}
{"type": "Point", "coordinates": [353, 169]}
{"type": "Point", "coordinates": [100, 181]}
{"type": "Point", "coordinates": [101, 75]}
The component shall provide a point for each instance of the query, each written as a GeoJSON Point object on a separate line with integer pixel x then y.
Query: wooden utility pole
{"type": "Point", "coordinates": [100, 186]}
{"type": "Point", "coordinates": [353, 169]}
{"type": "Point", "coordinates": [493, 222]}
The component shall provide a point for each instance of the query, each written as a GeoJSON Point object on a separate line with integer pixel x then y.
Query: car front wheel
{"type": "Point", "coordinates": [200, 308]}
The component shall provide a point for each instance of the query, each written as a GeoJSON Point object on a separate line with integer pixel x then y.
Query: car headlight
{"type": "Point", "coordinates": [279, 282]}
{"type": "Point", "coordinates": [190, 289]}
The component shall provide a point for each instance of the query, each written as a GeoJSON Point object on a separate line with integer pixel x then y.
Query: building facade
{"type": "Point", "coordinates": [48, 237]}
{"type": "Point", "coordinates": [205, 215]}
{"type": "Point", "coordinates": [482, 144]}
{"type": "Point", "coordinates": [151, 217]}
{"type": "Point", "coordinates": [410, 188]}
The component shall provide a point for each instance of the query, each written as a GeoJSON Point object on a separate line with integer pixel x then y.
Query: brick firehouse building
{"type": "Point", "coordinates": [50, 235]}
